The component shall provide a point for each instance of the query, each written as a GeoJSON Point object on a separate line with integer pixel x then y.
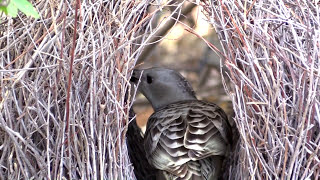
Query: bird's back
{"type": "Point", "coordinates": [187, 139]}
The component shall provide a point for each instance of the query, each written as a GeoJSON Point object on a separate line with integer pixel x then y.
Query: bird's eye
{"type": "Point", "coordinates": [149, 79]}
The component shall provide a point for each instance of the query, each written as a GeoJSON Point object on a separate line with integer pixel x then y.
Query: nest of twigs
{"type": "Point", "coordinates": [271, 51]}
{"type": "Point", "coordinates": [64, 80]}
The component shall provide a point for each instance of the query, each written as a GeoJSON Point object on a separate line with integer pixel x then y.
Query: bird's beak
{"type": "Point", "coordinates": [136, 76]}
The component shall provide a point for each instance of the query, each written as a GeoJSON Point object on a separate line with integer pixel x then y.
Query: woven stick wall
{"type": "Point", "coordinates": [67, 121]}
{"type": "Point", "coordinates": [271, 49]}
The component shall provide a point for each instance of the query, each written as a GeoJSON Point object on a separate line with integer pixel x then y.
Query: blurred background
{"type": "Point", "coordinates": [187, 53]}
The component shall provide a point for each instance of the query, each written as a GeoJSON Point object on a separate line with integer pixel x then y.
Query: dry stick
{"type": "Point", "coordinates": [235, 25]}
{"type": "Point", "coordinates": [209, 44]}
{"type": "Point", "coordinates": [71, 65]}
{"type": "Point", "coordinates": [214, 49]}
{"type": "Point", "coordinates": [32, 116]}
{"type": "Point", "coordinates": [285, 52]}
{"type": "Point", "coordinates": [250, 8]}
{"type": "Point", "coordinates": [32, 45]}
{"type": "Point", "coordinates": [156, 38]}
{"type": "Point", "coordinates": [60, 68]}
{"type": "Point", "coordinates": [70, 78]}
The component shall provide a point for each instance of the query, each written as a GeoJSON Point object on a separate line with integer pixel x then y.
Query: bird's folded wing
{"type": "Point", "coordinates": [164, 142]}
{"type": "Point", "coordinates": [185, 131]}
{"type": "Point", "coordinates": [205, 135]}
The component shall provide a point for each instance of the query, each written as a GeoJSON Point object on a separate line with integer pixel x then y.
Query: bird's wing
{"type": "Point", "coordinates": [207, 132]}
{"type": "Point", "coordinates": [185, 131]}
{"type": "Point", "coordinates": [164, 142]}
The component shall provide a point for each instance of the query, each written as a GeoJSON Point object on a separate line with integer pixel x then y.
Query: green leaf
{"type": "Point", "coordinates": [11, 10]}
{"type": "Point", "coordinates": [4, 9]}
{"type": "Point", "coordinates": [26, 7]}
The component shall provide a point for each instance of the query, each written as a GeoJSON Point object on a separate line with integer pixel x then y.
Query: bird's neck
{"type": "Point", "coordinates": [166, 101]}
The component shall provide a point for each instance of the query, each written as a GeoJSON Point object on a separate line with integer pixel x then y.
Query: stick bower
{"type": "Point", "coordinates": [271, 51]}
{"type": "Point", "coordinates": [64, 81]}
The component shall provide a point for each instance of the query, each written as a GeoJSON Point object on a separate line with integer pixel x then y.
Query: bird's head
{"type": "Point", "coordinates": [162, 86]}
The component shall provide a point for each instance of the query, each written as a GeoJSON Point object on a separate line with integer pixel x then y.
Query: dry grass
{"type": "Point", "coordinates": [271, 51]}
{"type": "Point", "coordinates": [63, 79]}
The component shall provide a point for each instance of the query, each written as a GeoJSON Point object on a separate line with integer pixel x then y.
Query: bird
{"type": "Point", "coordinates": [185, 138]}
